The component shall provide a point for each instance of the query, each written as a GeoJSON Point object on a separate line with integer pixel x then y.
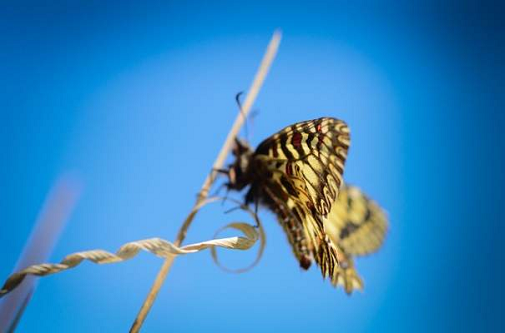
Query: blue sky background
{"type": "Point", "coordinates": [136, 100]}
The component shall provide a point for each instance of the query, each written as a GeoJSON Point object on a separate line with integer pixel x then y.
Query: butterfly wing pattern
{"type": "Point", "coordinates": [356, 222]}
{"type": "Point", "coordinates": [358, 225]}
{"type": "Point", "coordinates": [298, 174]}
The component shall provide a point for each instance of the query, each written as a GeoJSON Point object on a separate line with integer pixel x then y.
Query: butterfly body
{"type": "Point", "coordinates": [297, 173]}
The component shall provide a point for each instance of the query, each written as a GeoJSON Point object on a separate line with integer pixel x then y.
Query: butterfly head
{"type": "Point", "coordinates": [238, 172]}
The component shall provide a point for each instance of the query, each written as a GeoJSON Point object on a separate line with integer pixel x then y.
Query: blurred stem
{"type": "Point", "coordinates": [218, 164]}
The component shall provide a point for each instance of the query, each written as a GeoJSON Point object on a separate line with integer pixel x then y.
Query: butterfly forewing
{"type": "Point", "coordinates": [303, 165]}
{"type": "Point", "coordinates": [314, 154]}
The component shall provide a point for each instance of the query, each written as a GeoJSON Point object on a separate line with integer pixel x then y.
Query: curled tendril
{"type": "Point", "coordinates": [260, 234]}
{"type": "Point", "coordinates": [156, 246]}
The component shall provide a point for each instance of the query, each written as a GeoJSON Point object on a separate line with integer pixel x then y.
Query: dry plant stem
{"type": "Point", "coordinates": [218, 164]}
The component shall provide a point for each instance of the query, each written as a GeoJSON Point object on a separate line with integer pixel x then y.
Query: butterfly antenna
{"type": "Point", "coordinates": [232, 209]}
{"type": "Point", "coordinates": [239, 103]}
{"type": "Point", "coordinates": [218, 190]}
{"type": "Point", "coordinates": [225, 196]}
{"type": "Point", "coordinates": [256, 207]}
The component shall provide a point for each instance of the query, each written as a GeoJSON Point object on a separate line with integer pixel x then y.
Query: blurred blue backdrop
{"type": "Point", "coordinates": [136, 100]}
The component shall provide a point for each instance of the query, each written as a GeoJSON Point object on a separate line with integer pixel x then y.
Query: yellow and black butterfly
{"type": "Point", "coordinates": [298, 174]}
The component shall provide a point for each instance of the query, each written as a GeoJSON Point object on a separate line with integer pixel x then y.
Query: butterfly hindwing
{"type": "Point", "coordinates": [356, 222]}
{"type": "Point", "coordinates": [357, 225]}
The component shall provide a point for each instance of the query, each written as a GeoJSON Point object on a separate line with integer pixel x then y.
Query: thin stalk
{"type": "Point", "coordinates": [218, 164]}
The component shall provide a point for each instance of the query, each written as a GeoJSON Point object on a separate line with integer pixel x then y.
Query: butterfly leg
{"type": "Point", "coordinates": [220, 171]}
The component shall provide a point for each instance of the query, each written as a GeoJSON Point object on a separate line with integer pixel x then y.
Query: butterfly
{"type": "Point", "coordinates": [297, 173]}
